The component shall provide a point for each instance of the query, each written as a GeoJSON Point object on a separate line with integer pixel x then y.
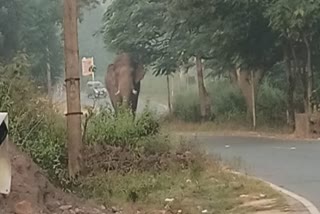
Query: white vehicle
{"type": "Point", "coordinates": [95, 89]}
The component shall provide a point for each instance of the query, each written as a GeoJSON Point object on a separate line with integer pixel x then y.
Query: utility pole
{"type": "Point", "coordinates": [72, 73]}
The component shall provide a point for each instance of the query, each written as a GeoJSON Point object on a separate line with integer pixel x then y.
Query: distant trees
{"type": "Point", "coordinates": [32, 26]}
{"type": "Point", "coordinates": [240, 38]}
{"type": "Point", "coordinates": [35, 27]}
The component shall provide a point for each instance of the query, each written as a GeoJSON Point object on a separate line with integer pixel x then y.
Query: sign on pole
{"type": "Point", "coordinates": [5, 165]}
{"type": "Point", "coordinates": [87, 67]}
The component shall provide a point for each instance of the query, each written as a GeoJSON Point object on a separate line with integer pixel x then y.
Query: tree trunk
{"type": "Point", "coordinates": [308, 76]}
{"type": "Point", "coordinates": [290, 91]}
{"type": "Point", "coordinates": [253, 98]}
{"type": "Point", "coordinates": [205, 107]}
{"type": "Point", "coordinates": [71, 51]}
{"type": "Point", "coordinates": [49, 82]}
{"type": "Point", "coordinates": [248, 86]}
{"type": "Point", "coordinates": [169, 95]}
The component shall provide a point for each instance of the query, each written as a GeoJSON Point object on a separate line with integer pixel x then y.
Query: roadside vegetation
{"type": "Point", "coordinates": [127, 164]}
{"type": "Point", "coordinates": [250, 59]}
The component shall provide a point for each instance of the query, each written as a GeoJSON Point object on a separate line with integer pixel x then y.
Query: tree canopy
{"type": "Point", "coordinates": [228, 35]}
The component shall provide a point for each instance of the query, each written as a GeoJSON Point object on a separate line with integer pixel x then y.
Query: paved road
{"type": "Point", "coordinates": [293, 165]}
{"type": "Point", "coordinates": [156, 107]}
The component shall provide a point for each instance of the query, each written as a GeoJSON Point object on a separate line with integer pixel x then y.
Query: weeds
{"type": "Point", "coordinates": [121, 129]}
{"type": "Point", "coordinates": [34, 126]}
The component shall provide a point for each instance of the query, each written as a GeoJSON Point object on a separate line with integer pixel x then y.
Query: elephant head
{"type": "Point", "coordinates": [123, 81]}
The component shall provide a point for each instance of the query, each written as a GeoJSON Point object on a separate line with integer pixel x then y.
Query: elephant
{"type": "Point", "coordinates": [123, 81]}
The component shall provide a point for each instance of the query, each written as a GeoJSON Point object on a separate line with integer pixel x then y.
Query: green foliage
{"type": "Point", "coordinates": [250, 35]}
{"type": "Point", "coordinates": [121, 129]}
{"type": "Point", "coordinates": [186, 107]}
{"type": "Point", "coordinates": [33, 125]}
{"type": "Point", "coordinates": [34, 27]}
{"type": "Point", "coordinates": [271, 105]}
{"type": "Point", "coordinates": [227, 101]}
{"type": "Point", "coordinates": [228, 104]}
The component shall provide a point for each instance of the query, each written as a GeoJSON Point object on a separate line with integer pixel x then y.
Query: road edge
{"type": "Point", "coordinates": [305, 202]}
{"type": "Point", "coordinates": [249, 134]}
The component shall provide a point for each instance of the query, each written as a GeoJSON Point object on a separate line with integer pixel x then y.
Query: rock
{"type": "Point", "coordinates": [79, 211]}
{"type": "Point", "coordinates": [169, 199]}
{"type": "Point", "coordinates": [263, 196]}
{"type": "Point", "coordinates": [65, 207]}
{"type": "Point", "coordinates": [236, 185]}
{"type": "Point", "coordinates": [103, 207]}
{"type": "Point", "coordinates": [204, 211]}
{"type": "Point", "coordinates": [23, 207]}
{"type": "Point", "coordinates": [244, 196]}
{"type": "Point", "coordinates": [114, 209]}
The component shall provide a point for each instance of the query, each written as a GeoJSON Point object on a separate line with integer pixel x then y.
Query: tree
{"type": "Point", "coordinates": [297, 25]}
{"type": "Point", "coordinates": [244, 45]}
{"type": "Point", "coordinates": [165, 46]}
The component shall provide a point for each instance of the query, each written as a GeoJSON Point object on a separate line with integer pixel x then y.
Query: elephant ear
{"type": "Point", "coordinates": [111, 79]}
{"type": "Point", "coordinates": [139, 73]}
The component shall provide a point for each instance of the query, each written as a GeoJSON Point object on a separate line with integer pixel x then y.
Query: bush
{"type": "Point", "coordinates": [186, 107]}
{"type": "Point", "coordinates": [122, 129]}
{"type": "Point", "coordinates": [228, 103]}
{"type": "Point", "coordinates": [33, 125]}
{"type": "Point", "coordinates": [271, 104]}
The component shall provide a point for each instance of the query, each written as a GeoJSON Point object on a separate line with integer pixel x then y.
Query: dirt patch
{"type": "Point", "coordinates": [123, 160]}
{"type": "Point", "coordinates": [31, 192]}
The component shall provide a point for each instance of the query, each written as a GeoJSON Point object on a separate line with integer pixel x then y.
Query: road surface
{"type": "Point", "coordinates": [289, 164]}
{"type": "Point", "coordinates": [85, 101]}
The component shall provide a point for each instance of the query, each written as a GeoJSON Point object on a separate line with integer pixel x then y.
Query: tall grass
{"type": "Point", "coordinates": [228, 104]}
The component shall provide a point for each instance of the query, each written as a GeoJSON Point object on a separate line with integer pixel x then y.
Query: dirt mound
{"type": "Point", "coordinates": [32, 193]}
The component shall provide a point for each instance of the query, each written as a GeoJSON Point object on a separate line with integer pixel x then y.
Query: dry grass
{"type": "Point", "coordinates": [206, 185]}
{"type": "Point", "coordinates": [226, 128]}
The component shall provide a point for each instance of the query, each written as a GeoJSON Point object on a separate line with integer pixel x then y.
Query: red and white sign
{"type": "Point", "coordinates": [87, 66]}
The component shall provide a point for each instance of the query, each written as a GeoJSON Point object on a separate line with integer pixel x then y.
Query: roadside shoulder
{"type": "Point", "coordinates": [297, 204]}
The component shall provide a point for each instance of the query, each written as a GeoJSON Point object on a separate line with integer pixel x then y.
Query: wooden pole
{"type": "Point", "coordinates": [72, 74]}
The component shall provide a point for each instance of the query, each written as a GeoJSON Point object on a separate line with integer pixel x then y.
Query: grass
{"type": "Point", "coordinates": [214, 189]}
{"type": "Point", "coordinates": [228, 127]}
{"type": "Point", "coordinates": [206, 184]}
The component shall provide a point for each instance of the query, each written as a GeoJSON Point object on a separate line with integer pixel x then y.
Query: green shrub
{"type": "Point", "coordinates": [271, 104]}
{"type": "Point", "coordinates": [228, 104]}
{"type": "Point", "coordinates": [227, 101]}
{"type": "Point", "coordinates": [186, 107]}
{"type": "Point", "coordinates": [121, 129]}
{"type": "Point", "coordinates": [33, 125]}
